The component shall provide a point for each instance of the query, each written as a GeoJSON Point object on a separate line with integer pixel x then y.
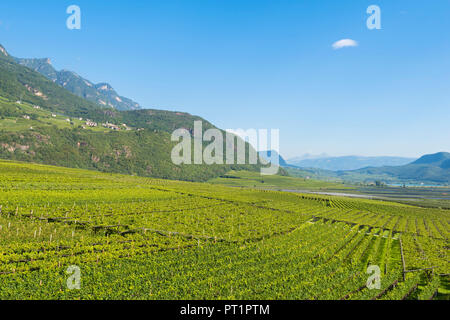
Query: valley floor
{"type": "Point", "coordinates": [139, 238]}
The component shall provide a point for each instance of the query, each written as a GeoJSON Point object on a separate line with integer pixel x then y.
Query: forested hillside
{"type": "Point", "coordinates": [42, 122]}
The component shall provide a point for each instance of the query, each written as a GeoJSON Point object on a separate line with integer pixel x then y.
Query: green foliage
{"type": "Point", "coordinates": [140, 238]}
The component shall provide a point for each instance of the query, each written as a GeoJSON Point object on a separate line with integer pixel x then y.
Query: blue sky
{"type": "Point", "coordinates": [263, 64]}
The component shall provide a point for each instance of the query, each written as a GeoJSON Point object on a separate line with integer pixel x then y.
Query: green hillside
{"type": "Point", "coordinates": [42, 122]}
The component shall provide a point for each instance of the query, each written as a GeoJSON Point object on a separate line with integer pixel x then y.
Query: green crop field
{"type": "Point", "coordinates": [142, 238]}
{"type": "Point", "coordinates": [254, 180]}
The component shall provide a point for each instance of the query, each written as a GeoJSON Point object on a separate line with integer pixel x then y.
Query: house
{"type": "Point", "coordinates": [110, 126]}
{"type": "Point", "coordinates": [91, 124]}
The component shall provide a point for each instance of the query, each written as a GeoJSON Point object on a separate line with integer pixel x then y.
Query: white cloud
{"type": "Point", "coordinates": [344, 43]}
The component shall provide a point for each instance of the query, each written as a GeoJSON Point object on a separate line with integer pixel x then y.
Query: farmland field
{"type": "Point", "coordinates": [141, 238]}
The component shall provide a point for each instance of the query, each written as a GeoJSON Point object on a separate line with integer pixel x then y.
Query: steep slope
{"type": "Point", "coordinates": [102, 93]}
{"type": "Point", "coordinates": [42, 122]}
{"type": "Point", "coordinates": [43, 66]}
{"type": "Point", "coordinates": [18, 83]}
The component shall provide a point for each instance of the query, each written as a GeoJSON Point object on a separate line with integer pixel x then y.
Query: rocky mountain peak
{"type": "Point", "coordinates": [3, 51]}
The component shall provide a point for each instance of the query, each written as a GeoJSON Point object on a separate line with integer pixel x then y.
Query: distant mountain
{"type": "Point", "coordinates": [101, 93]}
{"type": "Point", "coordinates": [268, 155]}
{"type": "Point", "coordinates": [437, 159]}
{"type": "Point", "coordinates": [429, 168]}
{"type": "Point", "coordinates": [349, 162]}
{"type": "Point", "coordinates": [307, 156]}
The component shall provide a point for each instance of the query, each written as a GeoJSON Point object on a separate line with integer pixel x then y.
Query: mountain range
{"type": "Point", "coordinates": [101, 93]}
{"type": "Point", "coordinates": [348, 162]}
{"type": "Point", "coordinates": [429, 169]}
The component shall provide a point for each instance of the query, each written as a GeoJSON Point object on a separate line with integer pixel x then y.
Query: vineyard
{"type": "Point", "coordinates": [140, 238]}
